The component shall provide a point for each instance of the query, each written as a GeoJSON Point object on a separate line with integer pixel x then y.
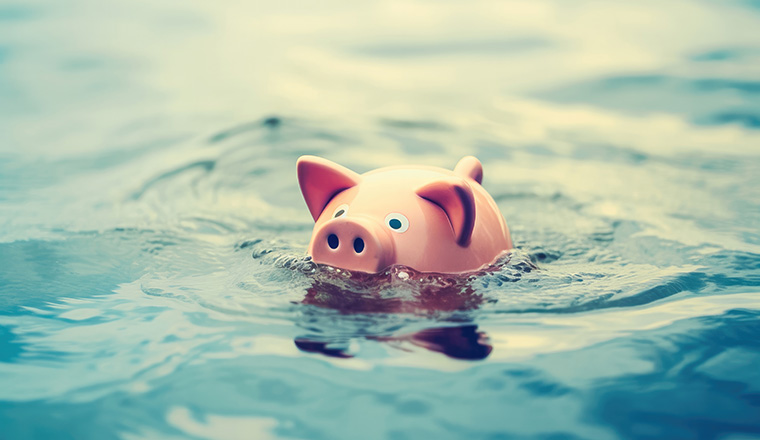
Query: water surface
{"type": "Point", "coordinates": [152, 236]}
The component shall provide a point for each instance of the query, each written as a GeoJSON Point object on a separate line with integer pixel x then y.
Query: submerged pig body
{"type": "Point", "coordinates": [427, 218]}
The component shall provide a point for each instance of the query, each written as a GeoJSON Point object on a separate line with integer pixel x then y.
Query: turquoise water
{"type": "Point", "coordinates": [152, 236]}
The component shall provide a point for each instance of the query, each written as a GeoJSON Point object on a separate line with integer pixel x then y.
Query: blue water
{"type": "Point", "coordinates": [152, 236]}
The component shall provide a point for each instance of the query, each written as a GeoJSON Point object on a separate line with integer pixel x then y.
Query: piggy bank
{"type": "Point", "coordinates": [427, 218]}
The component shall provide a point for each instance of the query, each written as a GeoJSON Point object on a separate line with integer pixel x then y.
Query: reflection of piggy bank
{"type": "Point", "coordinates": [427, 218]}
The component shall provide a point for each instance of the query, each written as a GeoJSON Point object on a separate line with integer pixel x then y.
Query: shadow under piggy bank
{"type": "Point", "coordinates": [379, 301]}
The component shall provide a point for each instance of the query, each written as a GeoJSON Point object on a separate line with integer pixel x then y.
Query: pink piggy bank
{"type": "Point", "coordinates": [427, 218]}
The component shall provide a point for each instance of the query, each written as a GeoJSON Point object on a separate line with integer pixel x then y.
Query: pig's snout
{"type": "Point", "coordinates": [359, 244]}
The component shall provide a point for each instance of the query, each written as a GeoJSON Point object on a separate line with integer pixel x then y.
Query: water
{"type": "Point", "coordinates": [152, 278]}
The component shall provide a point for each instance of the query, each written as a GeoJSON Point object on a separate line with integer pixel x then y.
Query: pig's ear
{"type": "Point", "coordinates": [470, 166]}
{"type": "Point", "coordinates": [321, 180]}
{"type": "Point", "coordinates": [454, 196]}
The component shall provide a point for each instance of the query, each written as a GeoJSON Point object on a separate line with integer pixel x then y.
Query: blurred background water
{"type": "Point", "coordinates": [152, 280]}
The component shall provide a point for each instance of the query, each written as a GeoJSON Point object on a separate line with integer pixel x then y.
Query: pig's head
{"type": "Point", "coordinates": [399, 215]}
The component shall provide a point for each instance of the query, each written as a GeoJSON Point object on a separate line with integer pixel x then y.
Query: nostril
{"type": "Point", "coordinates": [358, 245]}
{"type": "Point", "coordinates": [333, 242]}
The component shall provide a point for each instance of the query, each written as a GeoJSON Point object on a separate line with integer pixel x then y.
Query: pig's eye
{"type": "Point", "coordinates": [340, 211]}
{"type": "Point", "coordinates": [397, 222]}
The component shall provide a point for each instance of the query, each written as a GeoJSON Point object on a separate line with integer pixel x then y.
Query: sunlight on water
{"type": "Point", "coordinates": [154, 281]}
